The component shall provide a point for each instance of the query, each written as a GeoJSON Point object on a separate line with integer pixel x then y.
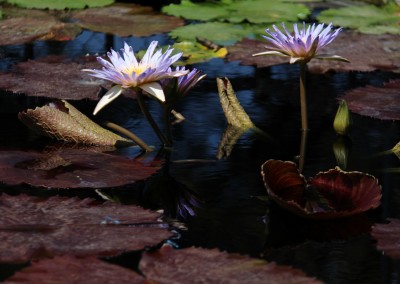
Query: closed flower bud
{"type": "Point", "coordinates": [341, 124]}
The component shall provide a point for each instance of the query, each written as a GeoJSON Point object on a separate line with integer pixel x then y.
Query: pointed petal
{"type": "Point", "coordinates": [332, 57]}
{"type": "Point", "coordinates": [111, 95]}
{"type": "Point", "coordinates": [270, 53]}
{"type": "Point", "coordinates": [155, 90]}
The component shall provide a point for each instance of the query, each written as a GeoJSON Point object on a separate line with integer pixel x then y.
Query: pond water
{"type": "Point", "coordinates": [223, 201]}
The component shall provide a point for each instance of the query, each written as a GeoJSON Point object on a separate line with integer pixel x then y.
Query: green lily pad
{"type": "Point", "coordinates": [126, 20]}
{"type": "Point", "coordinates": [219, 33]}
{"type": "Point", "coordinates": [196, 53]}
{"type": "Point", "coordinates": [254, 11]}
{"type": "Point", "coordinates": [368, 19]}
{"type": "Point", "coordinates": [60, 4]}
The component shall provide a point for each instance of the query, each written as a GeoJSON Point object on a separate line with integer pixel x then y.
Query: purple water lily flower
{"type": "Point", "coordinates": [303, 44]}
{"type": "Point", "coordinates": [127, 72]}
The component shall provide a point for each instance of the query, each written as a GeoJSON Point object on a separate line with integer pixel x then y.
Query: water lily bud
{"type": "Point", "coordinates": [341, 124]}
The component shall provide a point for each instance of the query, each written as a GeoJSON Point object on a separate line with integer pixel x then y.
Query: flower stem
{"type": "Point", "coordinates": [167, 122]}
{"type": "Point", "coordinates": [303, 98]}
{"type": "Point", "coordinates": [129, 134]}
{"type": "Point", "coordinates": [150, 119]}
{"type": "Point", "coordinates": [302, 155]}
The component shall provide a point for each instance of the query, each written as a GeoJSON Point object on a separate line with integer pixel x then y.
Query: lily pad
{"type": "Point", "coordinates": [365, 52]}
{"type": "Point", "coordinates": [126, 20]}
{"type": "Point", "coordinates": [253, 11]}
{"type": "Point", "coordinates": [196, 53]}
{"type": "Point", "coordinates": [378, 102]}
{"type": "Point", "coordinates": [388, 236]}
{"type": "Point", "coordinates": [168, 265]}
{"type": "Point", "coordinates": [69, 269]}
{"type": "Point", "coordinates": [369, 19]}
{"type": "Point", "coordinates": [67, 81]}
{"type": "Point", "coordinates": [33, 227]}
{"type": "Point", "coordinates": [329, 195]}
{"type": "Point", "coordinates": [72, 168]}
{"type": "Point", "coordinates": [59, 4]}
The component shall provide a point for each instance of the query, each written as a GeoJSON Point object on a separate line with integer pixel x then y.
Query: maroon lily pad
{"type": "Point", "coordinates": [168, 265]}
{"type": "Point", "coordinates": [69, 269]}
{"type": "Point", "coordinates": [67, 81]}
{"type": "Point", "coordinates": [329, 195]}
{"type": "Point", "coordinates": [33, 227]}
{"type": "Point", "coordinates": [378, 102]}
{"type": "Point", "coordinates": [72, 168]}
{"type": "Point", "coordinates": [388, 237]}
{"type": "Point", "coordinates": [366, 53]}
{"type": "Point", "coordinates": [126, 20]}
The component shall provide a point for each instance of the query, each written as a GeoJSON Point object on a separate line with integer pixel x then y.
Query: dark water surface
{"type": "Point", "coordinates": [222, 202]}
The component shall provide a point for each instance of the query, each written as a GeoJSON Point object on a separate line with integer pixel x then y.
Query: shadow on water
{"type": "Point", "coordinates": [222, 203]}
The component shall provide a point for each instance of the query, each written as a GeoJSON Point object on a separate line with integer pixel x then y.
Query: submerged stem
{"type": "Point", "coordinates": [150, 119]}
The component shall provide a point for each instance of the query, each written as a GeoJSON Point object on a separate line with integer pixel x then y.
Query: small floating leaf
{"type": "Point", "coordinates": [197, 53]}
{"type": "Point", "coordinates": [70, 269]}
{"type": "Point", "coordinates": [388, 236]}
{"type": "Point", "coordinates": [60, 5]}
{"type": "Point", "coordinates": [34, 227]}
{"type": "Point", "coordinates": [168, 265]}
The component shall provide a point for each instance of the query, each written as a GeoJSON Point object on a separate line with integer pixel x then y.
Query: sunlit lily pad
{"type": "Point", "coordinates": [69, 269]}
{"type": "Point", "coordinates": [33, 227]}
{"type": "Point", "coordinates": [378, 102]}
{"type": "Point", "coordinates": [67, 81]}
{"type": "Point", "coordinates": [60, 5]}
{"type": "Point", "coordinates": [388, 236]}
{"type": "Point", "coordinates": [369, 19]}
{"type": "Point", "coordinates": [253, 11]}
{"type": "Point", "coordinates": [365, 52]}
{"type": "Point", "coordinates": [72, 168]}
{"type": "Point", "coordinates": [126, 20]}
{"type": "Point", "coordinates": [168, 265]}
{"type": "Point", "coordinates": [328, 195]}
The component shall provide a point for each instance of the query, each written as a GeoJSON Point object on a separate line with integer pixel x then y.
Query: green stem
{"type": "Point", "coordinates": [150, 119]}
{"type": "Point", "coordinates": [303, 98]}
{"type": "Point", "coordinates": [303, 144]}
{"type": "Point", "coordinates": [129, 134]}
{"type": "Point", "coordinates": [167, 122]}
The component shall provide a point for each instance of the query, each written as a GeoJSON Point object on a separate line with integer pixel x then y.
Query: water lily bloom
{"type": "Point", "coordinates": [176, 88]}
{"type": "Point", "coordinates": [127, 72]}
{"type": "Point", "coordinates": [304, 44]}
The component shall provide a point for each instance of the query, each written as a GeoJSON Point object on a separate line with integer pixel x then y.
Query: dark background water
{"type": "Point", "coordinates": [225, 199]}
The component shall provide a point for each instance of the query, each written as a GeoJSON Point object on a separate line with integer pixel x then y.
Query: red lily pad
{"type": "Point", "coordinates": [168, 265]}
{"type": "Point", "coordinates": [378, 102]}
{"type": "Point", "coordinates": [328, 195]}
{"type": "Point", "coordinates": [72, 168]}
{"type": "Point", "coordinates": [126, 20]}
{"type": "Point", "coordinates": [366, 53]}
{"type": "Point", "coordinates": [67, 81]}
{"type": "Point", "coordinates": [33, 227]}
{"type": "Point", "coordinates": [388, 237]}
{"type": "Point", "coordinates": [69, 269]}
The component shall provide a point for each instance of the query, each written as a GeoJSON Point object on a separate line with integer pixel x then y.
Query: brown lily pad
{"type": "Point", "coordinates": [329, 195]}
{"type": "Point", "coordinates": [365, 52]}
{"type": "Point", "coordinates": [69, 269]}
{"type": "Point", "coordinates": [126, 20]}
{"type": "Point", "coordinates": [378, 102]}
{"type": "Point", "coordinates": [67, 81]}
{"type": "Point", "coordinates": [168, 265]}
{"type": "Point", "coordinates": [72, 168]}
{"type": "Point", "coordinates": [388, 237]}
{"type": "Point", "coordinates": [33, 227]}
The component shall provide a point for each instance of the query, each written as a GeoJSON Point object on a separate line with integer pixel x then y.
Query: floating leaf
{"type": "Point", "coordinates": [328, 195]}
{"type": "Point", "coordinates": [67, 81]}
{"type": "Point", "coordinates": [366, 53]}
{"type": "Point", "coordinates": [388, 236]}
{"type": "Point", "coordinates": [369, 19]}
{"type": "Point", "coordinates": [69, 269]}
{"type": "Point", "coordinates": [253, 11]}
{"type": "Point", "coordinates": [33, 227]}
{"type": "Point", "coordinates": [126, 20]}
{"type": "Point", "coordinates": [168, 265]}
{"type": "Point", "coordinates": [219, 33]}
{"type": "Point", "coordinates": [378, 102]}
{"type": "Point", "coordinates": [196, 53]}
{"type": "Point", "coordinates": [62, 121]}
{"type": "Point", "coordinates": [83, 168]}
{"type": "Point", "coordinates": [60, 5]}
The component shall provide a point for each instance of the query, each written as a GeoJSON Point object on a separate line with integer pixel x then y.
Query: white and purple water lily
{"type": "Point", "coordinates": [127, 72]}
{"type": "Point", "coordinates": [304, 44]}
